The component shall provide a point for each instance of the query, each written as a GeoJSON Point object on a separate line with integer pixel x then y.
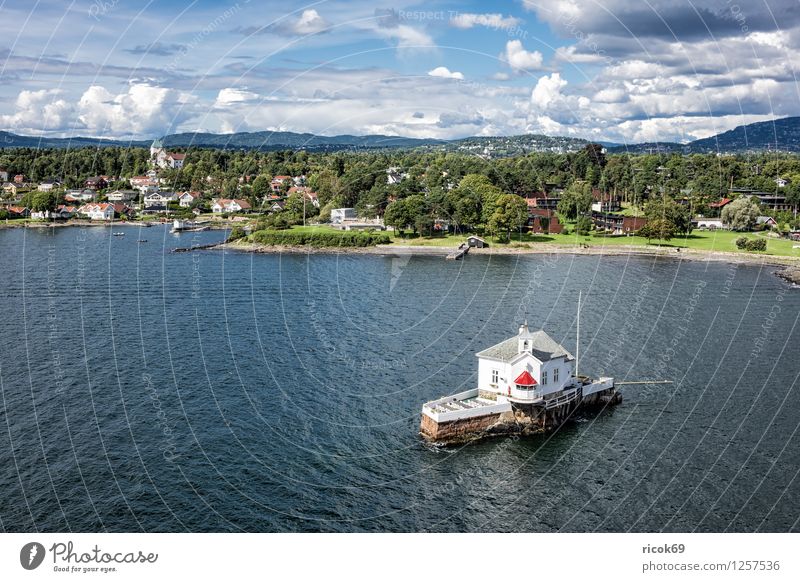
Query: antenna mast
{"type": "Point", "coordinates": [578, 335]}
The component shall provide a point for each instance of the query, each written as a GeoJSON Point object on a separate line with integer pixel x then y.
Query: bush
{"type": "Point", "coordinates": [320, 239]}
{"type": "Point", "coordinates": [748, 244]}
{"type": "Point", "coordinates": [237, 232]}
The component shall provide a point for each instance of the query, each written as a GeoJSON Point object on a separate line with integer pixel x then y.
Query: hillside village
{"type": "Point", "coordinates": [427, 194]}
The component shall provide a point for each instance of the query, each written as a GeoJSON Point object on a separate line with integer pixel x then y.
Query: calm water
{"type": "Point", "coordinates": [149, 390]}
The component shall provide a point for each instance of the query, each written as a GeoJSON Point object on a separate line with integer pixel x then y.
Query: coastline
{"type": "Point", "coordinates": [789, 267]}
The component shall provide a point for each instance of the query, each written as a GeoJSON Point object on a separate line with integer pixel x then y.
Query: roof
{"type": "Point", "coordinates": [542, 346]}
{"type": "Point", "coordinates": [721, 203]}
{"type": "Point", "coordinates": [157, 144]}
{"type": "Point", "coordinates": [177, 156]}
{"type": "Point", "coordinates": [525, 379]}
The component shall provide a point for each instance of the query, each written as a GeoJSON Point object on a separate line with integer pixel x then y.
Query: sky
{"type": "Point", "coordinates": [606, 70]}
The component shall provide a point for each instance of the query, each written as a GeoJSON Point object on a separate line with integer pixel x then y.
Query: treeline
{"type": "Point", "coordinates": [359, 179]}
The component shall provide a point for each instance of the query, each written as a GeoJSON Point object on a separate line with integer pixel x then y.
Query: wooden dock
{"type": "Point", "coordinates": [459, 253]}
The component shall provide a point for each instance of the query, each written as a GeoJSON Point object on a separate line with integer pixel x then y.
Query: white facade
{"type": "Point", "coordinates": [550, 366]}
{"type": "Point", "coordinates": [339, 215]}
{"type": "Point", "coordinates": [121, 195]}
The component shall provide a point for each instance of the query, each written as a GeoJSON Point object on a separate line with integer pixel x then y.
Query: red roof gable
{"type": "Point", "coordinates": [721, 203]}
{"type": "Point", "coordinates": [525, 379]}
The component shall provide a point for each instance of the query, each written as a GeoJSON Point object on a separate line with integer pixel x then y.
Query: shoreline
{"type": "Point", "coordinates": [789, 266]}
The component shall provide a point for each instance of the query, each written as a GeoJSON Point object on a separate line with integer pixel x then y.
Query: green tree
{"type": "Point", "coordinates": [659, 228]}
{"type": "Point", "coordinates": [575, 200]}
{"type": "Point", "coordinates": [665, 208]}
{"type": "Point", "coordinates": [741, 214]}
{"type": "Point", "coordinates": [510, 213]}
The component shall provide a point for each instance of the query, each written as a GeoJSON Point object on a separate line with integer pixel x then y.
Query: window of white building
{"type": "Point", "coordinates": [555, 375]}
{"type": "Point", "coordinates": [544, 377]}
{"type": "Point", "coordinates": [495, 376]}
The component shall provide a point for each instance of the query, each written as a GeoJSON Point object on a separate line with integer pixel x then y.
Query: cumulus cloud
{"type": "Point", "coordinates": [406, 37]}
{"type": "Point", "coordinates": [143, 109]}
{"type": "Point", "coordinates": [498, 21]}
{"type": "Point", "coordinates": [446, 73]}
{"type": "Point", "coordinates": [547, 91]}
{"type": "Point", "coordinates": [40, 111]}
{"type": "Point", "coordinates": [519, 59]}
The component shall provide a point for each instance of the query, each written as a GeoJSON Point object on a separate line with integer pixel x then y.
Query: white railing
{"type": "Point", "coordinates": [453, 407]}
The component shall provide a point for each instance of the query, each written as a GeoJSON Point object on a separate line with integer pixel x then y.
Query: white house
{"type": "Point", "coordinates": [47, 186]}
{"type": "Point", "coordinates": [121, 195]}
{"type": "Point", "coordinates": [187, 199]}
{"type": "Point", "coordinates": [708, 223]}
{"type": "Point", "coordinates": [526, 368]}
{"type": "Point", "coordinates": [99, 211]}
{"type": "Point", "coordinates": [159, 198]}
{"type": "Point", "coordinates": [230, 205]}
{"type": "Point", "coordinates": [339, 215]}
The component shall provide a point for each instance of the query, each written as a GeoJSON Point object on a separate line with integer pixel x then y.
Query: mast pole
{"type": "Point", "coordinates": [578, 335]}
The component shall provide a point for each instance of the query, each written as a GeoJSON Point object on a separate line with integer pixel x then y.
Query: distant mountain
{"type": "Point", "coordinates": [12, 140]}
{"type": "Point", "coordinates": [780, 134]}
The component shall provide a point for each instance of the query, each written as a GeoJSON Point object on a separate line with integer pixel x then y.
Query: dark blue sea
{"type": "Point", "coordinates": [146, 390]}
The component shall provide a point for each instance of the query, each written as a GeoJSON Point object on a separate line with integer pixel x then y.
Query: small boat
{"type": "Point", "coordinates": [142, 240]}
{"type": "Point", "coordinates": [118, 234]}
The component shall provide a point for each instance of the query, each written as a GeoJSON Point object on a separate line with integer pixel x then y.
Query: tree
{"type": "Point", "coordinates": [741, 214]}
{"type": "Point", "coordinates": [576, 200]}
{"type": "Point", "coordinates": [659, 228]}
{"type": "Point", "coordinates": [583, 226]}
{"type": "Point", "coordinates": [510, 212]}
{"type": "Point", "coordinates": [665, 208]}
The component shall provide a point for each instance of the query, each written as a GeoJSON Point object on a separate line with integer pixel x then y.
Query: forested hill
{"type": "Point", "coordinates": [780, 134]}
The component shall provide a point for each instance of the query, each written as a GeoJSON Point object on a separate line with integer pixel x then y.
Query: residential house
{"type": "Point", "coordinates": [48, 185]}
{"type": "Point", "coordinates": [79, 195]}
{"type": "Point", "coordinates": [98, 211]}
{"type": "Point", "coordinates": [476, 242]}
{"type": "Point", "coordinates": [96, 183]}
{"type": "Point", "coordinates": [395, 175]}
{"type": "Point", "coordinates": [230, 205]}
{"type": "Point", "coordinates": [617, 223]}
{"type": "Point", "coordinates": [3, 175]}
{"type": "Point", "coordinates": [158, 201]}
{"type": "Point", "coordinates": [279, 183]}
{"type": "Point", "coordinates": [122, 195]}
{"type": "Point", "coordinates": [766, 222]}
{"type": "Point", "coordinates": [544, 221]}
{"type": "Point", "coordinates": [188, 198]}
{"type": "Point", "coordinates": [541, 199]}
{"type": "Point", "coordinates": [19, 178]}
{"type": "Point", "coordinates": [18, 211]}
{"type": "Point", "coordinates": [605, 202]}
{"type": "Point", "coordinates": [781, 182]}
{"type": "Point", "coordinates": [277, 206]}
{"type": "Point", "coordinates": [61, 212]}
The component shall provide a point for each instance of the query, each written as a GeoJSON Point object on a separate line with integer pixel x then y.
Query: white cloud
{"type": "Point", "coordinates": [547, 91]}
{"type": "Point", "coordinates": [501, 76]}
{"type": "Point", "coordinates": [446, 73]}
{"type": "Point", "coordinates": [496, 21]}
{"type": "Point", "coordinates": [520, 59]}
{"type": "Point", "coordinates": [406, 37]}
{"type": "Point", "coordinates": [310, 22]}
{"type": "Point", "coordinates": [143, 110]}
{"type": "Point", "coordinates": [37, 111]}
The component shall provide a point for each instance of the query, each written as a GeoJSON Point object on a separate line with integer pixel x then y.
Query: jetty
{"type": "Point", "coordinates": [527, 384]}
{"type": "Point", "coordinates": [459, 253]}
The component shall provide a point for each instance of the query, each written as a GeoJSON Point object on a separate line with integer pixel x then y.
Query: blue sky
{"type": "Point", "coordinates": [600, 69]}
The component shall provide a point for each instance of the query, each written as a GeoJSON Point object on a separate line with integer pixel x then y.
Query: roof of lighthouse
{"type": "Point", "coordinates": [542, 346]}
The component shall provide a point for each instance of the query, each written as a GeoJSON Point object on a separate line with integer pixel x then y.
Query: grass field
{"type": "Point", "coordinates": [703, 240]}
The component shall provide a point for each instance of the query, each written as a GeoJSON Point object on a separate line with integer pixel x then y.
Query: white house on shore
{"type": "Point", "coordinates": [230, 205]}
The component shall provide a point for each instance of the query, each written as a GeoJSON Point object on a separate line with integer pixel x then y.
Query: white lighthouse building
{"type": "Point", "coordinates": [526, 384]}
{"type": "Point", "coordinates": [525, 368]}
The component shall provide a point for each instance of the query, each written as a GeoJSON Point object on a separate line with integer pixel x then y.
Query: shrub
{"type": "Point", "coordinates": [320, 239]}
{"type": "Point", "coordinates": [751, 244]}
{"type": "Point", "coordinates": [237, 232]}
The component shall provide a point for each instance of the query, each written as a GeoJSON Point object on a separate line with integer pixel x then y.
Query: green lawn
{"type": "Point", "coordinates": [720, 240]}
